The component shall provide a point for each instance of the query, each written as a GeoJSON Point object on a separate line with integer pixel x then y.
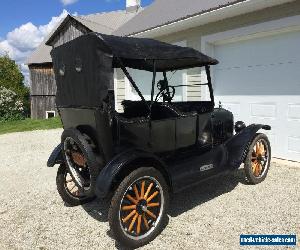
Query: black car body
{"type": "Point", "coordinates": [186, 142]}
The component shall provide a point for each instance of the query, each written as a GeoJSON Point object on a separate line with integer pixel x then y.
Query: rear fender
{"type": "Point", "coordinates": [120, 162]}
{"type": "Point", "coordinates": [56, 156]}
{"type": "Point", "coordinates": [238, 146]}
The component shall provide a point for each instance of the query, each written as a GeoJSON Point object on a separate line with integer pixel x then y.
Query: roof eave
{"type": "Point", "coordinates": [50, 39]}
{"type": "Point", "coordinates": [63, 23]}
{"type": "Point", "coordinates": [222, 13]}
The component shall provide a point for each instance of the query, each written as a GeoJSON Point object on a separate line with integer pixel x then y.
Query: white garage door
{"type": "Point", "coordinates": [259, 81]}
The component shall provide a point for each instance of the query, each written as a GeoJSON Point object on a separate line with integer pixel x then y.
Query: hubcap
{"type": "Point", "coordinates": [141, 208]}
{"type": "Point", "coordinates": [259, 158]}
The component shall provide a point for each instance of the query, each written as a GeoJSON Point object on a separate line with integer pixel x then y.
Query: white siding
{"type": "Point", "coordinates": [119, 80]}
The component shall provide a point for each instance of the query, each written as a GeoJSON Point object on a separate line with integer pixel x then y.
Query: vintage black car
{"type": "Point", "coordinates": [155, 146]}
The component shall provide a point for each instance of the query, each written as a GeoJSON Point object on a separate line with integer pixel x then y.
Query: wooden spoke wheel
{"type": "Point", "coordinates": [68, 190]}
{"type": "Point", "coordinates": [77, 163]}
{"type": "Point", "coordinates": [141, 207]}
{"type": "Point", "coordinates": [71, 186]}
{"type": "Point", "coordinates": [81, 165]}
{"type": "Point", "coordinates": [257, 161]}
{"type": "Point", "coordinates": [259, 157]}
{"type": "Point", "coordinates": [138, 207]}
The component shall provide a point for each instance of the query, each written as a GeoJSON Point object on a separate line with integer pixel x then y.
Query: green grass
{"type": "Point", "coordinates": [29, 125]}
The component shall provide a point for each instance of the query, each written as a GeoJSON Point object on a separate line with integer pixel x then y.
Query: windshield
{"type": "Point", "coordinates": [191, 85]}
{"type": "Point", "coordinates": [143, 80]}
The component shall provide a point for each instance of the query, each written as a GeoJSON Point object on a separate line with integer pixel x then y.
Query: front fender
{"type": "Point", "coordinates": [110, 171]}
{"type": "Point", "coordinates": [56, 156]}
{"type": "Point", "coordinates": [238, 146]}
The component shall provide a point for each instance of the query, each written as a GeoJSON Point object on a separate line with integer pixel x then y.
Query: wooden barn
{"type": "Point", "coordinates": [43, 86]}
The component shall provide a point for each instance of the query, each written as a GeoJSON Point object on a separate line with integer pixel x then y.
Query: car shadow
{"type": "Point", "coordinates": [98, 209]}
{"type": "Point", "coordinates": [182, 201]}
{"type": "Point", "coordinates": [205, 191]}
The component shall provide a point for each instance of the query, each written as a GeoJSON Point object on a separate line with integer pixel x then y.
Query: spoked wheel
{"type": "Point", "coordinates": [138, 207]}
{"type": "Point", "coordinates": [82, 163]}
{"type": "Point", "coordinates": [79, 169]}
{"type": "Point", "coordinates": [68, 189]}
{"type": "Point", "coordinates": [257, 162]}
{"type": "Point", "coordinates": [141, 208]}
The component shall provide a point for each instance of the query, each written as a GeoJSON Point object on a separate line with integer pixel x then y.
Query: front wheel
{"type": "Point", "coordinates": [138, 207]}
{"type": "Point", "coordinates": [68, 190]}
{"type": "Point", "coordinates": [257, 162]}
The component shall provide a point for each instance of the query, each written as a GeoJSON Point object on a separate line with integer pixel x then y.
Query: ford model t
{"type": "Point", "coordinates": [155, 146]}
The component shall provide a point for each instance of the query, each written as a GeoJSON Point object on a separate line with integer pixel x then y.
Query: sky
{"type": "Point", "coordinates": [25, 23]}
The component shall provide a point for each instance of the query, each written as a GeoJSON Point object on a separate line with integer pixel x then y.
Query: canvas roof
{"type": "Point", "coordinates": [137, 53]}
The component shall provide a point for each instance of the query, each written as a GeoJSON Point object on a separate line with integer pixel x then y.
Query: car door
{"type": "Point", "coordinates": [186, 131]}
{"type": "Point", "coordinates": [162, 135]}
{"type": "Point", "coordinates": [173, 133]}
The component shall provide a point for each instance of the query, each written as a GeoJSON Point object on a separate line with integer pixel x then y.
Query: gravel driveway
{"type": "Point", "coordinates": [209, 216]}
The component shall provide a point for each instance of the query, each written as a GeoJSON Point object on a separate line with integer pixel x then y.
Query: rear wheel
{"type": "Point", "coordinates": [138, 207]}
{"type": "Point", "coordinates": [81, 160]}
{"type": "Point", "coordinates": [67, 188]}
{"type": "Point", "coordinates": [257, 162]}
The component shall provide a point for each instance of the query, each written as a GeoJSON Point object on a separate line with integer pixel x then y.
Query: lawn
{"type": "Point", "coordinates": [29, 125]}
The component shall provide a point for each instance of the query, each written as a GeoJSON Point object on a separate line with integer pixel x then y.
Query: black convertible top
{"type": "Point", "coordinates": [139, 53]}
{"type": "Point", "coordinates": [84, 66]}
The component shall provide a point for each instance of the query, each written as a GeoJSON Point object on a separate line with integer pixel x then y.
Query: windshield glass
{"type": "Point", "coordinates": [143, 80]}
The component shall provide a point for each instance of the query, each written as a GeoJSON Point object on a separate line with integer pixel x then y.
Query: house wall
{"type": "Point", "coordinates": [193, 35]}
{"type": "Point", "coordinates": [119, 81]}
{"type": "Point", "coordinates": [43, 90]}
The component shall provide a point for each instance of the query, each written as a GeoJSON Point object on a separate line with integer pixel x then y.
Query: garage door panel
{"type": "Point", "coordinates": [264, 80]}
{"type": "Point", "coordinates": [294, 144]}
{"type": "Point", "coordinates": [234, 108]}
{"type": "Point", "coordinates": [259, 81]}
{"type": "Point", "coordinates": [263, 110]}
{"type": "Point", "coordinates": [273, 140]}
{"type": "Point", "coordinates": [294, 112]}
{"type": "Point", "coordinates": [276, 48]}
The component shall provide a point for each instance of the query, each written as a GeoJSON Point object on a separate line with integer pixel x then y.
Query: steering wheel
{"type": "Point", "coordinates": [165, 91]}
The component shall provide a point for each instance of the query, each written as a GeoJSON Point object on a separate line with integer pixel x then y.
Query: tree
{"type": "Point", "coordinates": [11, 108]}
{"type": "Point", "coordinates": [11, 78]}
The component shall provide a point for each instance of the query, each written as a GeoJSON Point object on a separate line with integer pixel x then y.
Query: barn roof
{"type": "Point", "coordinates": [105, 23]}
{"type": "Point", "coordinates": [40, 55]}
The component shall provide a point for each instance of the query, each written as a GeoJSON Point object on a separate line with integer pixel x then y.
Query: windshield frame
{"type": "Point", "coordinates": [154, 73]}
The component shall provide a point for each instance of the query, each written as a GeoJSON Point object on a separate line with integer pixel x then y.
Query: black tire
{"type": "Point", "coordinates": [66, 196]}
{"type": "Point", "coordinates": [255, 174]}
{"type": "Point", "coordinates": [92, 159]}
{"type": "Point", "coordinates": [114, 215]}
